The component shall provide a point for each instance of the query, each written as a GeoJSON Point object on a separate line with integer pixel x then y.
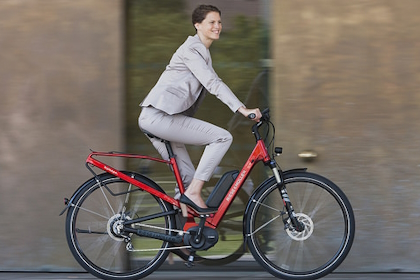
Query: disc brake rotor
{"type": "Point", "coordinates": [306, 233]}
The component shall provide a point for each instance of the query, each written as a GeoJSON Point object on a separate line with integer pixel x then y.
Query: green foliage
{"type": "Point", "coordinates": [236, 56]}
{"type": "Point", "coordinates": [150, 7]}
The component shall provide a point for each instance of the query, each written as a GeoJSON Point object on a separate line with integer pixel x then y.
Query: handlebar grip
{"type": "Point", "coordinates": [251, 116]}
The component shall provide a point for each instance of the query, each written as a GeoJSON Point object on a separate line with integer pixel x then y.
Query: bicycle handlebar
{"type": "Point", "coordinates": [265, 118]}
{"type": "Point", "coordinates": [251, 116]}
{"type": "Point", "coordinates": [264, 113]}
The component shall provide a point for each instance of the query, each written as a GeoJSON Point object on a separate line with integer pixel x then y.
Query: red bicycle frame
{"type": "Point", "coordinates": [259, 153]}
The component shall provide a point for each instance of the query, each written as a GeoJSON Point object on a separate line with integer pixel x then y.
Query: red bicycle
{"type": "Point", "coordinates": [122, 225]}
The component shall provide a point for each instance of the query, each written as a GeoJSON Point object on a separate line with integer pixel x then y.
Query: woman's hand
{"type": "Point", "coordinates": [246, 112]}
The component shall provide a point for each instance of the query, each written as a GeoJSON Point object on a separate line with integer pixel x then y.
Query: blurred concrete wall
{"type": "Point", "coordinates": [61, 93]}
{"type": "Point", "coordinates": [345, 85]}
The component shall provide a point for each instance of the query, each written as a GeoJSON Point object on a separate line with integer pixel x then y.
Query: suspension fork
{"type": "Point", "coordinates": [278, 174]}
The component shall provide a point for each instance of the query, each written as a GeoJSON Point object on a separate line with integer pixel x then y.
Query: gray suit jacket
{"type": "Point", "coordinates": [181, 87]}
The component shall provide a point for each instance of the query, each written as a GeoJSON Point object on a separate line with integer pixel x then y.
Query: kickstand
{"type": "Point", "coordinates": [190, 262]}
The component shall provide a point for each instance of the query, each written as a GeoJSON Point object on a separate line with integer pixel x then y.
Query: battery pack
{"type": "Point", "coordinates": [222, 187]}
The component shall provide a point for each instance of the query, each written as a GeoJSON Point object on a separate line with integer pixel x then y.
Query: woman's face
{"type": "Point", "coordinates": [210, 27]}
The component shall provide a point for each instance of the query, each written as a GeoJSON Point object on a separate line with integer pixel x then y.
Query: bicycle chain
{"type": "Point", "coordinates": [130, 247]}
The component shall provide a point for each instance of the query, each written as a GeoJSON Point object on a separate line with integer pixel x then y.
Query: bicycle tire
{"type": "Point", "coordinates": [329, 227]}
{"type": "Point", "coordinates": [92, 221]}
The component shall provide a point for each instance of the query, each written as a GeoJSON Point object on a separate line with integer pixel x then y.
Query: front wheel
{"type": "Point", "coordinates": [328, 220]}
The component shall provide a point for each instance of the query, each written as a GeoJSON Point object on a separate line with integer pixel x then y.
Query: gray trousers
{"type": "Point", "coordinates": [182, 130]}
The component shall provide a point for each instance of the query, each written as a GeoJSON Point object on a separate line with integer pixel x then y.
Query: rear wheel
{"type": "Point", "coordinates": [323, 244]}
{"type": "Point", "coordinates": [94, 228]}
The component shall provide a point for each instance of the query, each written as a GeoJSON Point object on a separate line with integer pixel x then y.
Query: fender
{"type": "Point", "coordinates": [100, 177]}
{"type": "Point", "coordinates": [69, 202]}
{"type": "Point", "coordinates": [270, 181]}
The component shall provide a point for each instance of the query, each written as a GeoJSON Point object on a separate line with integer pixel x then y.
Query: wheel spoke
{"type": "Point", "coordinates": [264, 225]}
{"type": "Point", "coordinates": [90, 211]}
{"type": "Point", "coordinates": [78, 230]}
{"type": "Point", "coordinates": [107, 201]}
{"type": "Point", "coordinates": [267, 206]}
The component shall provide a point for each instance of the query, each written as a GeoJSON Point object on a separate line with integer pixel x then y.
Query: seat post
{"type": "Point", "coordinates": [169, 148]}
{"type": "Point", "coordinates": [167, 143]}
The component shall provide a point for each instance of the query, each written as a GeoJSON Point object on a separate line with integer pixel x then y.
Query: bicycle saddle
{"type": "Point", "coordinates": [151, 135]}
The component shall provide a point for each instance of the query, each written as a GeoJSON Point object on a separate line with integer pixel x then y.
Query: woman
{"type": "Point", "coordinates": [168, 108]}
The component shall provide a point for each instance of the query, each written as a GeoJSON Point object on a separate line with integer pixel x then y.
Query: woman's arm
{"type": "Point", "coordinates": [196, 58]}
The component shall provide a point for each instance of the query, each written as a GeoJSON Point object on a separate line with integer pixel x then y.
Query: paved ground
{"type": "Point", "coordinates": [178, 271]}
{"type": "Point", "coordinates": [203, 275]}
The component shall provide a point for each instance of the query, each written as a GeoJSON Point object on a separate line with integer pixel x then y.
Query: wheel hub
{"type": "Point", "coordinates": [306, 233]}
{"type": "Point", "coordinates": [115, 227]}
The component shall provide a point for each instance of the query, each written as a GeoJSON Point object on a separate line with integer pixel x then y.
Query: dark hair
{"type": "Point", "coordinates": [200, 13]}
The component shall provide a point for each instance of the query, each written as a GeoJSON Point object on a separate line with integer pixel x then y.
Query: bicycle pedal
{"type": "Point", "coordinates": [207, 215]}
{"type": "Point", "coordinates": [190, 262]}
